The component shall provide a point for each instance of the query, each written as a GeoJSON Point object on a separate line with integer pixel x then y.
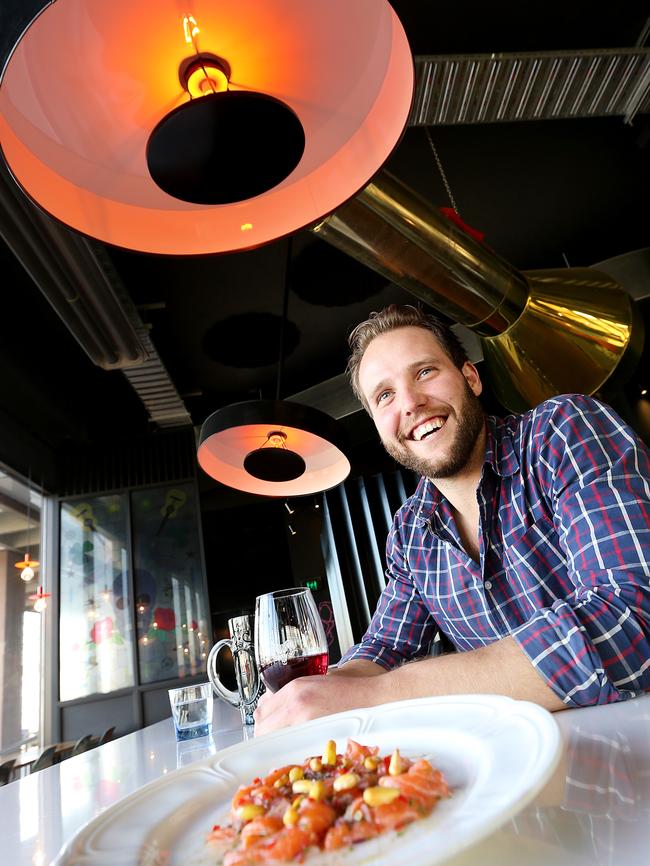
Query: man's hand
{"type": "Point", "coordinates": [355, 685]}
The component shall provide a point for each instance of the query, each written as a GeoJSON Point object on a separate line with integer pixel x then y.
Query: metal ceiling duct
{"type": "Point", "coordinates": [542, 332]}
{"type": "Point", "coordinates": [76, 276]}
{"type": "Point", "coordinates": [486, 88]}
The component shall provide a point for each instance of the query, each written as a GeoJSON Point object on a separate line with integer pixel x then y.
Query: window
{"type": "Point", "coordinates": [21, 628]}
{"type": "Point", "coordinates": [96, 629]}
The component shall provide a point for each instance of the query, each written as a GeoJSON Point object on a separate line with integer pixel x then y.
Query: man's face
{"type": "Point", "coordinates": [425, 409]}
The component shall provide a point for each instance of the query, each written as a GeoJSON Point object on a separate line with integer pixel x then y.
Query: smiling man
{"type": "Point", "coordinates": [526, 542]}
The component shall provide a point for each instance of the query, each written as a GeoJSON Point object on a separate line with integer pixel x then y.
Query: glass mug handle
{"type": "Point", "coordinates": [245, 702]}
{"type": "Point", "coordinates": [231, 697]}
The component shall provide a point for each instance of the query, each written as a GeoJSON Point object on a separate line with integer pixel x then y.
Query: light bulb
{"type": "Point", "coordinates": [27, 573]}
{"type": "Point", "coordinates": [40, 605]}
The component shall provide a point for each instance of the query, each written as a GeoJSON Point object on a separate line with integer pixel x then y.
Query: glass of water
{"type": "Point", "coordinates": [192, 711]}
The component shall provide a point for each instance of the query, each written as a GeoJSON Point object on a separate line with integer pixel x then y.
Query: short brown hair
{"type": "Point", "coordinates": [390, 319]}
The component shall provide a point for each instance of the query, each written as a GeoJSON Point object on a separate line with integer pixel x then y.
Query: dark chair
{"type": "Point", "coordinates": [45, 759]}
{"type": "Point", "coordinates": [82, 745]}
{"type": "Point", "coordinates": [6, 770]}
{"type": "Point", "coordinates": [106, 736]}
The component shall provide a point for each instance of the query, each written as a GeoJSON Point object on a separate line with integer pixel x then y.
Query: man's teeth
{"type": "Point", "coordinates": [421, 431]}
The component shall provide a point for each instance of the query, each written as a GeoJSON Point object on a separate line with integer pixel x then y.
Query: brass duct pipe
{"type": "Point", "coordinates": [543, 333]}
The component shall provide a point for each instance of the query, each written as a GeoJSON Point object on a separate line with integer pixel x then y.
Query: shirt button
{"type": "Point", "coordinates": [488, 584]}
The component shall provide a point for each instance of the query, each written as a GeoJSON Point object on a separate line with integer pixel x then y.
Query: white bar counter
{"type": "Point", "coordinates": [596, 809]}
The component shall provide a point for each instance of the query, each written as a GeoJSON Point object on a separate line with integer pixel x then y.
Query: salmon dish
{"type": "Point", "coordinates": [327, 802]}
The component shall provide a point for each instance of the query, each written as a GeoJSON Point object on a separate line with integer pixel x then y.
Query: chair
{"type": "Point", "coordinates": [106, 736]}
{"type": "Point", "coordinates": [82, 745]}
{"type": "Point", "coordinates": [45, 759]}
{"type": "Point", "coordinates": [6, 770]}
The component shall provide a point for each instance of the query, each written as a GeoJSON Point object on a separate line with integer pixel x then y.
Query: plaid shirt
{"type": "Point", "coordinates": [564, 502]}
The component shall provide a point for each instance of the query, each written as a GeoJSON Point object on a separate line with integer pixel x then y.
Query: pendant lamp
{"type": "Point", "coordinates": [274, 447]}
{"type": "Point", "coordinates": [27, 565]}
{"type": "Point", "coordinates": [206, 126]}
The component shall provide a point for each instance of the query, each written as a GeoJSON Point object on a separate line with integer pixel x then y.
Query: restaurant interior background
{"type": "Point", "coordinates": [144, 556]}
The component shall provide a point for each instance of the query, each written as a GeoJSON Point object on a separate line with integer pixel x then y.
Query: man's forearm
{"type": "Point", "coordinates": [501, 668]}
{"type": "Point", "coordinates": [358, 668]}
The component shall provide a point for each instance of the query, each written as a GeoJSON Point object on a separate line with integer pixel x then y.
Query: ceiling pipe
{"type": "Point", "coordinates": [542, 332]}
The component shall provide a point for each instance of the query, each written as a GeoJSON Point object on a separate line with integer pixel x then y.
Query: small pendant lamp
{"type": "Point", "coordinates": [27, 565]}
{"type": "Point", "coordinates": [209, 127]}
{"type": "Point", "coordinates": [274, 447]}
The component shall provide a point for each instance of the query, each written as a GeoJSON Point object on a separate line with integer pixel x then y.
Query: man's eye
{"type": "Point", "coordinates": [381, 397]}
{"type": "Point", "coordinates": [425, 372]}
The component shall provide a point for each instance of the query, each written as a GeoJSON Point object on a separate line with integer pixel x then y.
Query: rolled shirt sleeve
{"type": "Point", "coordinates": [593, 646]}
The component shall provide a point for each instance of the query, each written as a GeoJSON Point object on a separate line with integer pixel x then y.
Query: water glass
{"type": "Point", "coordinates": [192, 711]}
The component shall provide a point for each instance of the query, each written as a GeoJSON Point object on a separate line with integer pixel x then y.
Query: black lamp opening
{"type": "Point", "coordinates": [274, 464]}
{"type": "Point", "coordinates": [225, 147]}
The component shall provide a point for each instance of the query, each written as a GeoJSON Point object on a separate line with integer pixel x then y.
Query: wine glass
{"type": "Point", "coordinates": [290, 639]}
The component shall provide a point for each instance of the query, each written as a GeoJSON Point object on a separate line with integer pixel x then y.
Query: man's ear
{"type": "Point", "coordinates": [472, 378]}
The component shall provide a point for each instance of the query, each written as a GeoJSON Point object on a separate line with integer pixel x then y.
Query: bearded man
{"type": "Point", "coordinates": [526, 542]}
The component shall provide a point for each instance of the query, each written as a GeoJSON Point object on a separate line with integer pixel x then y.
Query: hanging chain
{"type": "Point", "coordinates": [285, 310]}
{"type": "Point", "coordinates": [442, 171]}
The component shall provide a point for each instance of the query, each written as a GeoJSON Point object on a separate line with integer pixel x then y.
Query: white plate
{"type": "Point", "coordinates": [496, 754]}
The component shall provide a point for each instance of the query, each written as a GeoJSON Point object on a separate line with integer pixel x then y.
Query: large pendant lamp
{"type": "Point", "coordinates": [206, 126]}
{"type": "Point", "coordinates": [274, 447]}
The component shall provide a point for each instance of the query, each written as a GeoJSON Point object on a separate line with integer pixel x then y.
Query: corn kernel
{"type": "Point", "coordinates": [317, 791]}
{"type": "Point", "coordinates": [316, 765]}
{"type": "Point", "coordinates": [290, 817]}
{"type": "Point", "coordinates": [297, 801]}
{"type": "Point", "coordinates": [396, 766]}
{"type": "Point", "coordinates": [250, 811]}
{"type": "Point", "coordinates": [301, 786]}
{"type": "Point", "coordinates": [371, 763]}
{"type": "Point", "coordinates": [378, 796]}
{"type": "Point", "coordinates": [281, 781]}
{"type": "Point", "coordinates": [345, 782]}
{"type": "Point", "coordinates": [329, 755]}
{"type": "Point", "coordinates": [295, 773]}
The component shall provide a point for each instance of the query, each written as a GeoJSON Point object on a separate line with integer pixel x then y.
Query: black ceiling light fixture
{"type": "Point", "coordinates": [274, 447]}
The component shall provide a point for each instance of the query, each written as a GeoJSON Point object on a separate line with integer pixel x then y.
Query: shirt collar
{"type": "Point", "coordinates": [500, 455]}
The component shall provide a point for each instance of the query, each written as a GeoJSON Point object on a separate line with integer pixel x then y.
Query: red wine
{"type": "Point", "coordinates": [278, 674]}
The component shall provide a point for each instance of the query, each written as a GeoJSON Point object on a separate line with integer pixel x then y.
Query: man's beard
{"type": "Point", "coordinates": [470, 421]}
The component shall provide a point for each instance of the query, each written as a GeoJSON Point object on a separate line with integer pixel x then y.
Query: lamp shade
{"type": "Point", "coordinates": [89, 81]}
{"type": "Point", "coordinates": [238, 444]}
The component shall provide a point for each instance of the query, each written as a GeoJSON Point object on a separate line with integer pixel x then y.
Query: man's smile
{"type": "Point", "coordinates": [427, 428]}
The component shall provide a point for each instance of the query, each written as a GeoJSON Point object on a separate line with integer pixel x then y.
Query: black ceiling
{"type": "Point", "coordinates": [545, 193]}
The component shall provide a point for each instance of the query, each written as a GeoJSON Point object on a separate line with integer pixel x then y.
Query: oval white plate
{"type": "Point", "coordinates": [496, 754]}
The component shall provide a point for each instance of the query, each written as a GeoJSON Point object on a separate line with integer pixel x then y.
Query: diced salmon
{"type": "Point", "coordinates": [357, 753]}
{"type": "Point", "coordinates": [421, 785]}
{"type": "Point", "coordinates": [283, 846]}
{"type": "Point", "coordinates": [348, 832]}
{"type": "Point", "coordinates": [315, 818]}
{"type": "Point", "coordinates": [278, 774]}
{"type": "Point", "coordinates": [259, 828]}
{"type": "Point", "coordinates": [393, 816]}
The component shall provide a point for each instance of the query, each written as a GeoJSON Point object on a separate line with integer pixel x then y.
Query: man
{"type": "Point", "coordinates": [527, 541]}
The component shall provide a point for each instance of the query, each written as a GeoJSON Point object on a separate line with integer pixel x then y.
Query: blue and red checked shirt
{"type": "Point", "coordinates": [564, 502]}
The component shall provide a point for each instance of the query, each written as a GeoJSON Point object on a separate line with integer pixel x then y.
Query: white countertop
{"type": "Point", "coordinates": [596, 810]}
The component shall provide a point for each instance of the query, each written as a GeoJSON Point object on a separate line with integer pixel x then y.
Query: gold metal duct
{"type": "Point", "coordinates": [543, 332]}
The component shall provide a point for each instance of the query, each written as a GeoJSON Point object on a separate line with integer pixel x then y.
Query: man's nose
{"type": "Point", "coordinates": [412, 399]}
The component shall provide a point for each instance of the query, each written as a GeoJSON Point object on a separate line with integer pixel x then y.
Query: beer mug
{"type": "Point", "coordinates": [249, 683]}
